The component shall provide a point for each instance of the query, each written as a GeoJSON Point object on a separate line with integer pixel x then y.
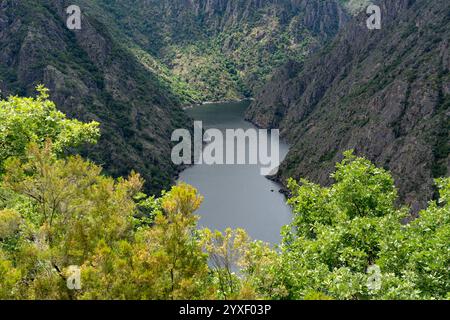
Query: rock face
{"type": "Point", "coordinates": [384, 93]}
{"type": "Point", "coordinates": [226, 49]}
{"type": "Point", "coordinates": [134, 63]}
{"type": "Point", "coordinates": [92, 76]}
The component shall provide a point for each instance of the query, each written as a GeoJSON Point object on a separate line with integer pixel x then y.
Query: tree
{"type": "Point", "coordinates": [226, 252]}
{"type": "Point", "coordinates": [35, 120]}
{"type": "Point", "coordinates": [340, 233]}
{"type": "Point", "coordinates": [67, 209]}
{"type": "Point", "coordinates": [162, 261]}
{"type": "Point", "coordinates": [417, 256]}
{"type": "Point", "coordinates": [75, 216]}
{"type": "Point", "coordinates": [346, 241]}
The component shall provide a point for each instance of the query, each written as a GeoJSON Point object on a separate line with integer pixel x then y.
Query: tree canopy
{"type": "Point", "coordinates": [346, 241]}
{"type": "Point", "coordinates": [35, 120]}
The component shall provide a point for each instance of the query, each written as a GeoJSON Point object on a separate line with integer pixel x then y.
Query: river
{"type": "Point", "coordinates": [236, 196]}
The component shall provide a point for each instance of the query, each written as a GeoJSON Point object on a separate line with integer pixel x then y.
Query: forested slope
{"type": "Point", "coordinates": [92, 74]}
{"type": "Point", "coordinates": [384, 93]}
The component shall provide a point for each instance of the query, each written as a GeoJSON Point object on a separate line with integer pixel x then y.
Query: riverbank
{"type": "Point", "coordinates": [191, 106]}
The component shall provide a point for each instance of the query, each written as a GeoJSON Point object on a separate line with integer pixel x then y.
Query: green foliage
{"type": "Point", "coordinates": [9, 223]}
{"type": "Point", "coordinates": [57, 211]}
{"type": "Point", "coordinates": [362, 189]}
{"type": "Point", "coordinates": [35, 120]}
{"type": "Point", "coordinates": [227, 253]}
{"type": "Point", "coordinates": [339, 232]}
{"type": "Point", "coordinates": [79, 217]}
{"type": "Point", "coordinates": [164, 261]}
{"type": "Point", "coordinates": [216, 58]}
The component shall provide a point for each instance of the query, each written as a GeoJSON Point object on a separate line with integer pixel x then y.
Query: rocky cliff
{"type": "Point", "coordinates": [384, 93]}
{"type": "Point", "coordinates": [92, 75]}
{"type": "Point", "coordinates": [223, 49]}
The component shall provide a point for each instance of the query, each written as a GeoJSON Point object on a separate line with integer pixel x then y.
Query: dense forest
{"type": "Point", "coordinates": [347, 241]}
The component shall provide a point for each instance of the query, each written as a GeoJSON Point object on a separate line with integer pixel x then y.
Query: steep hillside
{"type": "Point", "coordinates": [385, 93]}
{"type": "Point", "coordinates": [224, 50]}
{"type": "Point", "coordinates": [92, 75]}
{"type": "Point", "coordinates": [134, 63]}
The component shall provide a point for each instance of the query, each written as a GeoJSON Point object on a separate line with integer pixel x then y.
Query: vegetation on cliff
{"type": "Point", "coordinates": [226, 50]}
{"type": "Point", "coordinates": [384, 93]}
{"type": "Point", "coordinates": [94, 74]}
